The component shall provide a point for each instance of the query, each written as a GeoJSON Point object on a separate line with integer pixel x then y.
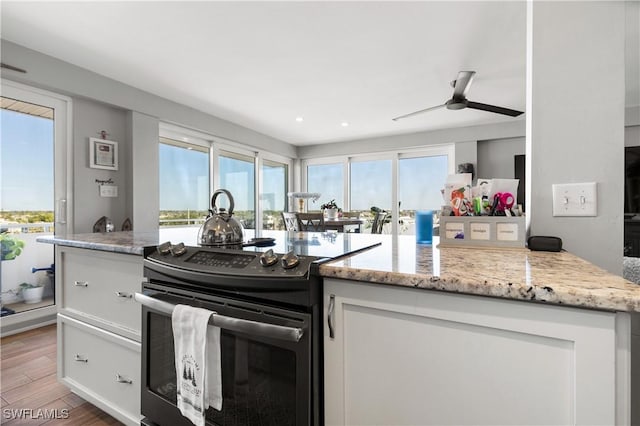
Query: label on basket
{"type": "Point", "coordinates": [480, 231]}
{"type": "Point", "coordinates": [454, 230]}
{"type": "Point", "coordinates": [507, 231]}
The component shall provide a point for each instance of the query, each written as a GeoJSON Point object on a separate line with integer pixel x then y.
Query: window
{"type": "Point", "coordinates": [193, 165]}
{"type": "Point", "coordinates": [398, 182]}
{"type": "Point", "coordinates": [327, 180]}
{"type": "Point", "coordinates": [184, 183]}
{"type": "Point", "coordinates": [419, 182]}
{"type": "Point", "coordinates": [274, 194]}
{"type": "Point", "coordinates": [371, 185]}
{"type": "Point", "coordinates": [237, 175]}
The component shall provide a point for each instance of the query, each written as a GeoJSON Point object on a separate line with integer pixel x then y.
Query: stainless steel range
{"type": "Point", "coordinates": [267, 302]}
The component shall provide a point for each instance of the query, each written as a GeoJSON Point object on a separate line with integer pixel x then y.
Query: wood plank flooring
{"type": "Point", "coordinates": [28, 382]}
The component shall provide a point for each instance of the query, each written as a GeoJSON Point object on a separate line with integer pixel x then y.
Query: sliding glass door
{"type": "Point", "coordinates": [273, 197]}
{"type": "Point", "coordinates": [420, 180]}
{"type": "Point", "coordinates": [237, 175]}
{"type": "Point", "coordinates": [33, 198]}
{"type": "Point", "coordinates": [400, 183]}
{"type": "Point", "coordinates": [184, 183]}
{"type": "Point", "coordinates": [327, 180]}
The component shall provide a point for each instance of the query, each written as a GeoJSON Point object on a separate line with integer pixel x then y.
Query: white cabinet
{"type": "Point", "coordinates": [405, 356]}
{"type": "Point", "coordinates": [99, 326]}
{"type": "Point", "coordinates": [102, 367]}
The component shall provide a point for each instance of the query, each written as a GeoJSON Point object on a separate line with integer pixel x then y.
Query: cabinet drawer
{"type": "Point", "coordinates": [102, 367]}
{"type": "Point", "coordinates": [101, 285]}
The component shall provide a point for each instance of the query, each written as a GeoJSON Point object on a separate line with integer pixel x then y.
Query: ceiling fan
{"type": "Point", "coordinates": [459, 99]}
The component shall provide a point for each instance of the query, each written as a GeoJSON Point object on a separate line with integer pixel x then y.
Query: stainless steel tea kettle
{"type": "Point", "coordinates": [220, 228]}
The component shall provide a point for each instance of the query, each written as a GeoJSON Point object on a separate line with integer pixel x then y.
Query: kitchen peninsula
{"type": "Point", "coordinates": [410, 338]}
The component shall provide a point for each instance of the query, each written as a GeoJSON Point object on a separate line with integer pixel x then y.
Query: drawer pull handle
{"type": "Point", "coordinates": [79, 358]}
{"type": "Point", "coordinates": [330, 316]}
{"type": "Point", "coordinates": [123, 294]}
{"type": "Point", "coordinates": [121, 379]}
{"type": "Point", "coordinates": [81, 283]}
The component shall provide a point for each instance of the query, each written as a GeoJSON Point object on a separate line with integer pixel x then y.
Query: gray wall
{"type": "Point", "coordinates": [632, 136]}
{"type": "Point", "coordinates": [508, 129]}
{"type": "Point", "coordinates": [89, 118]}
{"type": "Point", "coordinates": [145, 206]}
{"type": "Point", "coordinates": [495, 157]}
{"type": "Point", "coordinates": [467, 152]}
{"type": "Point", "coordinates": [576, 122]}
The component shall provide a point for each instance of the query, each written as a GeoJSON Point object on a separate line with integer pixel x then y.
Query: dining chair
{"type": "Point", "coordinates": [312, 222]}
{"type": "Point", "coordinates": [290, 221]}
{"type": "Point", "coordinates": [378, 222]}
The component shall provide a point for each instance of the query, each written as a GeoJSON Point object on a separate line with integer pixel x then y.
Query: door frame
{"type": "Point", "coordinates": [63, 146]}
{"type": "Point", "coordinates": [63, 187]}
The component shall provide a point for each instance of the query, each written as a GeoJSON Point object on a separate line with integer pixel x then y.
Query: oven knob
{"type": "Point", "coordinates": [268, 258]}
{"type": "Point", "coordinates": [164, 248]}
{"type": "Point", "coordinates": [178, 249]}
{"type": "Point", "coordinates": [290, 260]}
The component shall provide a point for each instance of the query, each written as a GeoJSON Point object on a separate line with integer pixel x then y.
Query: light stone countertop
{"type": "Point", "coordinates": [519, 274]}
{"type": "Point", "coordinates": [130, 242]}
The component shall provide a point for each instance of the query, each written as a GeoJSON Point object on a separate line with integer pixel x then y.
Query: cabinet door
{"type": "Point", "coordinates": [98, 287]}
{"type": "Point", "coordinates": [102, 367]}
{"type": "Point", "coordinates": [403, 356]}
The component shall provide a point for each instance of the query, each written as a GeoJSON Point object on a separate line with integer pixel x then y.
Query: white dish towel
{"type": "Point", "coordinates": [198, 369]}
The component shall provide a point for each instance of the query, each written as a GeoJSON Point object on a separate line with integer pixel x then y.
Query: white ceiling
{"type": "Point", "coordinates": [262, 64]}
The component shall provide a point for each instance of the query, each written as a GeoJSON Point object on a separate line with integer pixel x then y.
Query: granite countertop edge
{"type": "Point", "coordinates": [617, 300]}
{"type": "Point", "coordinates": [137, 249]}
{"type": "Point", "coordinates": [553, 293]}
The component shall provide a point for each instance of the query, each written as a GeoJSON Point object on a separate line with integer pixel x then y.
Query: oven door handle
{"type": "Point", "coordinates": [291, 334]}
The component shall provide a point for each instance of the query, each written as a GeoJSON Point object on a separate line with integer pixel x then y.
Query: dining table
{"type": "Point", "coordinates": [344, 224]}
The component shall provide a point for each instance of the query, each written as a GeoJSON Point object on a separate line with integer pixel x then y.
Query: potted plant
{"type": "Point", "coordinates": [10, 246]}
{"type": "Point", "coordinates": [31, 293]}
{"type": "Point", "coordinates": [331, 209]}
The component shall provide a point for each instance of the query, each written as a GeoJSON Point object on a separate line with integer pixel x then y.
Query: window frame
{"type": "Point", "coordinates": [395, 156]}
{"type": "Point", "coordinates": [218, 146]}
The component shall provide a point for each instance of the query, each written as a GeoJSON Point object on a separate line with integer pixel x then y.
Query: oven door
{"type": "Point", "coordinates": [266, 376]}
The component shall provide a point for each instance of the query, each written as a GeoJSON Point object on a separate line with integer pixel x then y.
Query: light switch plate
{"type": "Point", "coordinates": [108, 191]}
{"type": "Point", "coordinates": [575, 199]}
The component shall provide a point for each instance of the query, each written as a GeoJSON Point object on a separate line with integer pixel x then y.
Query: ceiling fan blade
{"type": "Point", "coordinates": [493, 108]}
{"type": "Point", "coordinates": [462, 83]}
{"type": "Point", "coordinates": [418, 112]}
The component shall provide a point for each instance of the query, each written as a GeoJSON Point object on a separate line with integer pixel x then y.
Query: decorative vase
{"type": "Point", "coordinates": [32, 295]}
{"type": "Point", "coordinates": [332, 213]}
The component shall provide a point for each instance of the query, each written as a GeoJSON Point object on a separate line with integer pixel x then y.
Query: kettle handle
{"type": "Point", "coordinates": [215, 195]}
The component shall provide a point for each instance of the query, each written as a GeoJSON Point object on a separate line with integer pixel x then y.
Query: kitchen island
{"type": "Point", "coordinates": [409, 340]}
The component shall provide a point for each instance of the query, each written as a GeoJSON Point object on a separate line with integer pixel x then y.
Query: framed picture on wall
{"type": "Point", "coordinates": [103, 154]}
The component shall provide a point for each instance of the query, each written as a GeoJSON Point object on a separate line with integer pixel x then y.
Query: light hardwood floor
{"type": "Point", "coordinates": [28, 381]}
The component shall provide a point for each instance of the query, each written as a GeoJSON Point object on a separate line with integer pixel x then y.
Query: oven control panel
{"type": "Point", "coordinates": [221, 260]}
{"type": "Point", "coordinates": [231, 261]}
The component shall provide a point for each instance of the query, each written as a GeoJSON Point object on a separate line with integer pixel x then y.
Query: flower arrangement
{"type": "Point", "coordinates": [330, 205]}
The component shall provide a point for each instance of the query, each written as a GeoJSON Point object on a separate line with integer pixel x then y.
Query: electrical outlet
{"type": "Point", "coordinates": [108, 191]}
{"type": "Point", "coordinates": [575, 199]}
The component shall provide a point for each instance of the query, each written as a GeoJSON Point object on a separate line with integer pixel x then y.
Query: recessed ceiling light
{"type": "Point", "coordinates": [299, 119]}
{"type": "Point", "coordinates": [345, 124]}
{"type": "Point", "coordinates": [189, 148]}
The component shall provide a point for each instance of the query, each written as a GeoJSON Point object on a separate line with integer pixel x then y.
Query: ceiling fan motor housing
{"type": "Point", "coordinates": [455, 104]}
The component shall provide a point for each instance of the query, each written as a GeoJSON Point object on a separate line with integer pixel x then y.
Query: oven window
{"type": "Point", "coordinates": [258, 380]}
